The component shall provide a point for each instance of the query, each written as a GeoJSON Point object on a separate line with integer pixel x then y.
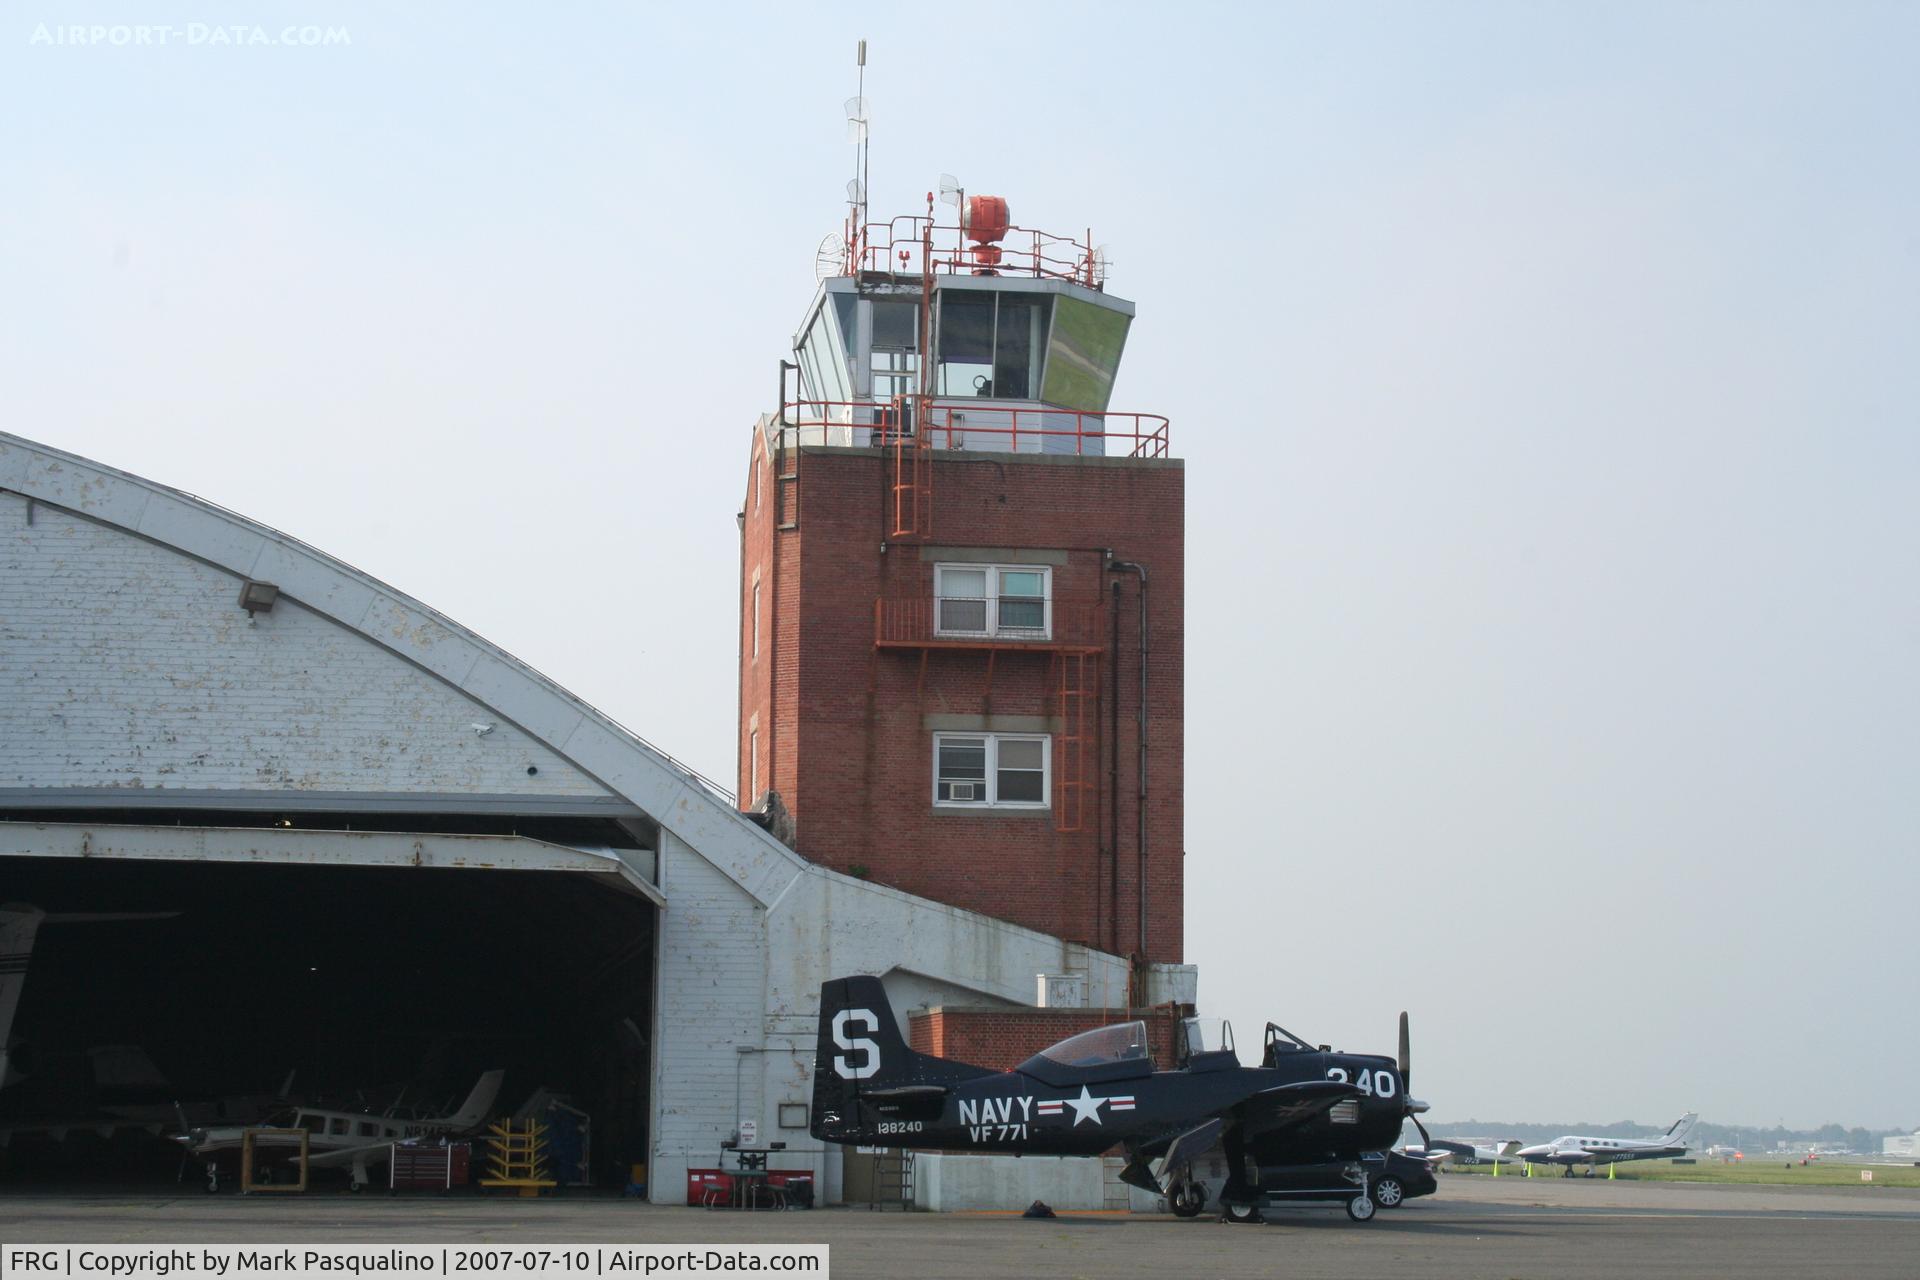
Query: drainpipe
{"type": "Point", "coordinates": [772, 645]}
{"type": "Point", "coordinates": [1140, 838]}
{"type": "Point", "coordinates": [1113, 773]}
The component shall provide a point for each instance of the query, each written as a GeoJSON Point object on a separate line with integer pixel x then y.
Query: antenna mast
{"type": "Point", "coordinates": [866, 132]}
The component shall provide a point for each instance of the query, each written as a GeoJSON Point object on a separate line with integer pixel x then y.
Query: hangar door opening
{"type": "Point", "coordinates": [382, 991]}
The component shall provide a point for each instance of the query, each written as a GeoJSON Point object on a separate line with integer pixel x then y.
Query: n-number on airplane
{"type": "Point", "coordinates": [1304, 1112]}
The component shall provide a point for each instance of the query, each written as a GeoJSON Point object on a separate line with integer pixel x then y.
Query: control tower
{"type": "Point", "coordinates": [962, 588]}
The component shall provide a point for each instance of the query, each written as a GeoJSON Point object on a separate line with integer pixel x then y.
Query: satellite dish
{"type": "Point", "coordinates": [830, 259]}
{"type": "Point", "coordinates": [950, 190]}
{"type": "Point", "coordinates": [1102, 263]}
{"type": "Point", "coordinates": [857, 120]}
{"type": "Point", "coordinates": [856, 192]}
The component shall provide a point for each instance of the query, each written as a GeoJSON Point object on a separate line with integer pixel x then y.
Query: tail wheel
{"type": "Point", "coordinates": [1388, 1193]}
{"type": "Point", "coordinates": [1238, 1213]}
{"type": "Point", "coordinates": [1361, 1209]}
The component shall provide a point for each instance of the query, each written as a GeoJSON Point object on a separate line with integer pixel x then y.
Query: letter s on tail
{"type": "Point", "coordinates": [858, 1040]}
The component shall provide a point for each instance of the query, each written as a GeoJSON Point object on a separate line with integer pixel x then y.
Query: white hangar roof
{"type": "Point", "coordinates": [348, 694]}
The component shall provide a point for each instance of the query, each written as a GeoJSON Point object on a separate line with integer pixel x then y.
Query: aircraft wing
{"type": "Point", "coordinates": [1287, 1105]}
{"type": "Point", "coordinates": [1194, 1142]}
{"type": "Point", "coordinates": [346, 1157]}
{"type": "Point", "coordinates": [57, 1130]}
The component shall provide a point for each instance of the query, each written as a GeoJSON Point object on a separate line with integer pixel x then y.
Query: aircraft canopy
{"type": "Point", "coordinates": [1115, 1052]}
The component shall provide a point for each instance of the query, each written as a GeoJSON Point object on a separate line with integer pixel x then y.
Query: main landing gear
{"type": "Point", "coordinates": [1187, 1198]}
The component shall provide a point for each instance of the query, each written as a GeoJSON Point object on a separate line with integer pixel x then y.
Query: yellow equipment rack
{"type": "Point", "coordinates": [517, 1157]}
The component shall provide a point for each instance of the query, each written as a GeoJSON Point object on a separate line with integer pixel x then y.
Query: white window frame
{"type": "Point", "coordinates": [994, 631]}
{"type": "Point", "coordinates": [753, 765]}
{"type": "Point", "coordinates": [992, 784]}
{"type": "Point", "coordinates": [756, 615]}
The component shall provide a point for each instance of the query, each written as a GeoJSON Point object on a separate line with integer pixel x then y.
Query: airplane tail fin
{"type": "Point", "coordinates": [859, 1053]}
{"type": "Point", "coordinates": [1681, 1135]}
{"type": "Point", "coordinates": [1508, 1148]}
{"type": "Point", "coordinates": [478, 1103]}
{"type": "Point", "coordinates": [18, 925]}
{"type": "Point", "coordinates": [126, 1067]}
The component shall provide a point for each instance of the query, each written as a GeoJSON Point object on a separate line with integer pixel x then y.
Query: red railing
{"type": "Point", "coordinates": [962, 424]}
{"type": "Point", "coordinates": [914, 622]}
{"type": "Point", "coordinates": [905, 246]}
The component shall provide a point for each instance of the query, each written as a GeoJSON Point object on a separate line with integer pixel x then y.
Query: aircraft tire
{"type": "Point", "coordinates": [1388, 1193]}
{"type": "Point", "coordinates": [1361, 1209]}
{"type": "Point", "coordinates": [1187, 1199]}
{"type": "Point", "coordinates": [1239, 1213]}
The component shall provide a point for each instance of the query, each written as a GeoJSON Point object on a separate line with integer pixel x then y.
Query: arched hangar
{"type": "Point", "coordinates": [342, 836]}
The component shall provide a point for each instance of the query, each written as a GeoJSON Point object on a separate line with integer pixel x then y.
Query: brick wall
{"type": "Point", "coordinates": [1004, 1038]}
{"type": "Point", "coordinates": [845, 725]}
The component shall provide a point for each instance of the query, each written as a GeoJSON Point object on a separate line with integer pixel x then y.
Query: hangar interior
{"type": "Point", "coordinates": [376, 988]}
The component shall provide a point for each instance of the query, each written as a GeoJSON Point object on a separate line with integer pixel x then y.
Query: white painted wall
{"type": "Point", "coordinates": [128, 665]}
{"type": "Point", "coordinates": [945, 1183]}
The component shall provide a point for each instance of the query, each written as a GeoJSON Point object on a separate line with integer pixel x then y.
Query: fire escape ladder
{"type": "Point", "coordinates": [1077, 687]}
{"type": "Point", "coordinates": [910, 463]}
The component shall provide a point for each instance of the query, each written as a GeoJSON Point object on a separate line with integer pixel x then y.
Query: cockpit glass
{"type": "Point", "coordinates": [1206, 1035]}
{"type": "Point", "coordinates": [1122, 1042]}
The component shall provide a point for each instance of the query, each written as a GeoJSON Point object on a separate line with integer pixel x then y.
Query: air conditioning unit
{"type": "Point", "coordinates": [961, 790]}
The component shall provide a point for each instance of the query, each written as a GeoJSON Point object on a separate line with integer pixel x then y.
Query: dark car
{"type": "Point", "coordinates": [1397, 1177]}
{"type": "Point", "coordinates": [1392, 1180]}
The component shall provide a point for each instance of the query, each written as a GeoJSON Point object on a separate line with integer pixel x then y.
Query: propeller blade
{"type": "Point", "coordinates": [1406, 1053]}
{"type": "Point", "coordinates": [1425, 1137]}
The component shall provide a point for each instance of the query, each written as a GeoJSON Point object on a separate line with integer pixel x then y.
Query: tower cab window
{"type": "Point", "coordinates": [990, 343]}
{"type": "Point", "coordinates": [1005, 600]}
{"type": "Point", "coordinates": [992, 770]}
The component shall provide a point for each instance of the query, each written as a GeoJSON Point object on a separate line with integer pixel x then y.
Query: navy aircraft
{"type": "Point", "coordinates": [1570, 1151]}
{"type": "Point", "coordinates": [1302, 1118]}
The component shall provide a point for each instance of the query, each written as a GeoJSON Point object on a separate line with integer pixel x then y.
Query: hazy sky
{"type": "Point", "coordinates": [1546, 376]}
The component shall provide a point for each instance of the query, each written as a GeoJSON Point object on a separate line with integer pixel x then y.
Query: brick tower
{"type": "Point", "coordinates": [961, 645]}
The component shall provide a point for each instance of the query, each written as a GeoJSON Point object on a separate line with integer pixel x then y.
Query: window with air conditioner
{"type": "Point", "coordinates": [992, 770]}
{"type": "Point", "coordinates": [1000, 601]}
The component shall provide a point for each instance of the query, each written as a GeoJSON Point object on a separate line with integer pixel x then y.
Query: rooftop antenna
{"type": "Point", "coordinates": [858, 127]}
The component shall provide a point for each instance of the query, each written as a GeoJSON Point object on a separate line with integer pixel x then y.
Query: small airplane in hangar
{"type": "Point", "coordinates": [351, 1140]}
{"type": "Point", "coordinates": [1294, 1127]}
{"type": "Point", "coordinates": [1570, 1151]}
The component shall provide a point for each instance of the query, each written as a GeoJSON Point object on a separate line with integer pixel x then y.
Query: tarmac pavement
{"type": "Point", "coordinates": [1474, 1227]}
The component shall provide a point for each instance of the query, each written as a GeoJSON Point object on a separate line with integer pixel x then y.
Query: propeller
{"type": "Point", "coordinates": [1406, 1081]}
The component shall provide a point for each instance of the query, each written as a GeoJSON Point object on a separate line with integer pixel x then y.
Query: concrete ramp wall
{"type": "Point", "coordinates": [947, 1183]}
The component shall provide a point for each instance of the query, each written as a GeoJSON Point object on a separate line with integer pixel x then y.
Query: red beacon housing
{"type": "Point", "coordinates": [985, 220]}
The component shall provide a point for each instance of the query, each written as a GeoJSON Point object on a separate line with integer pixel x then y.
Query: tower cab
{"type": "Point", "coordinates": [1010, 348]}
